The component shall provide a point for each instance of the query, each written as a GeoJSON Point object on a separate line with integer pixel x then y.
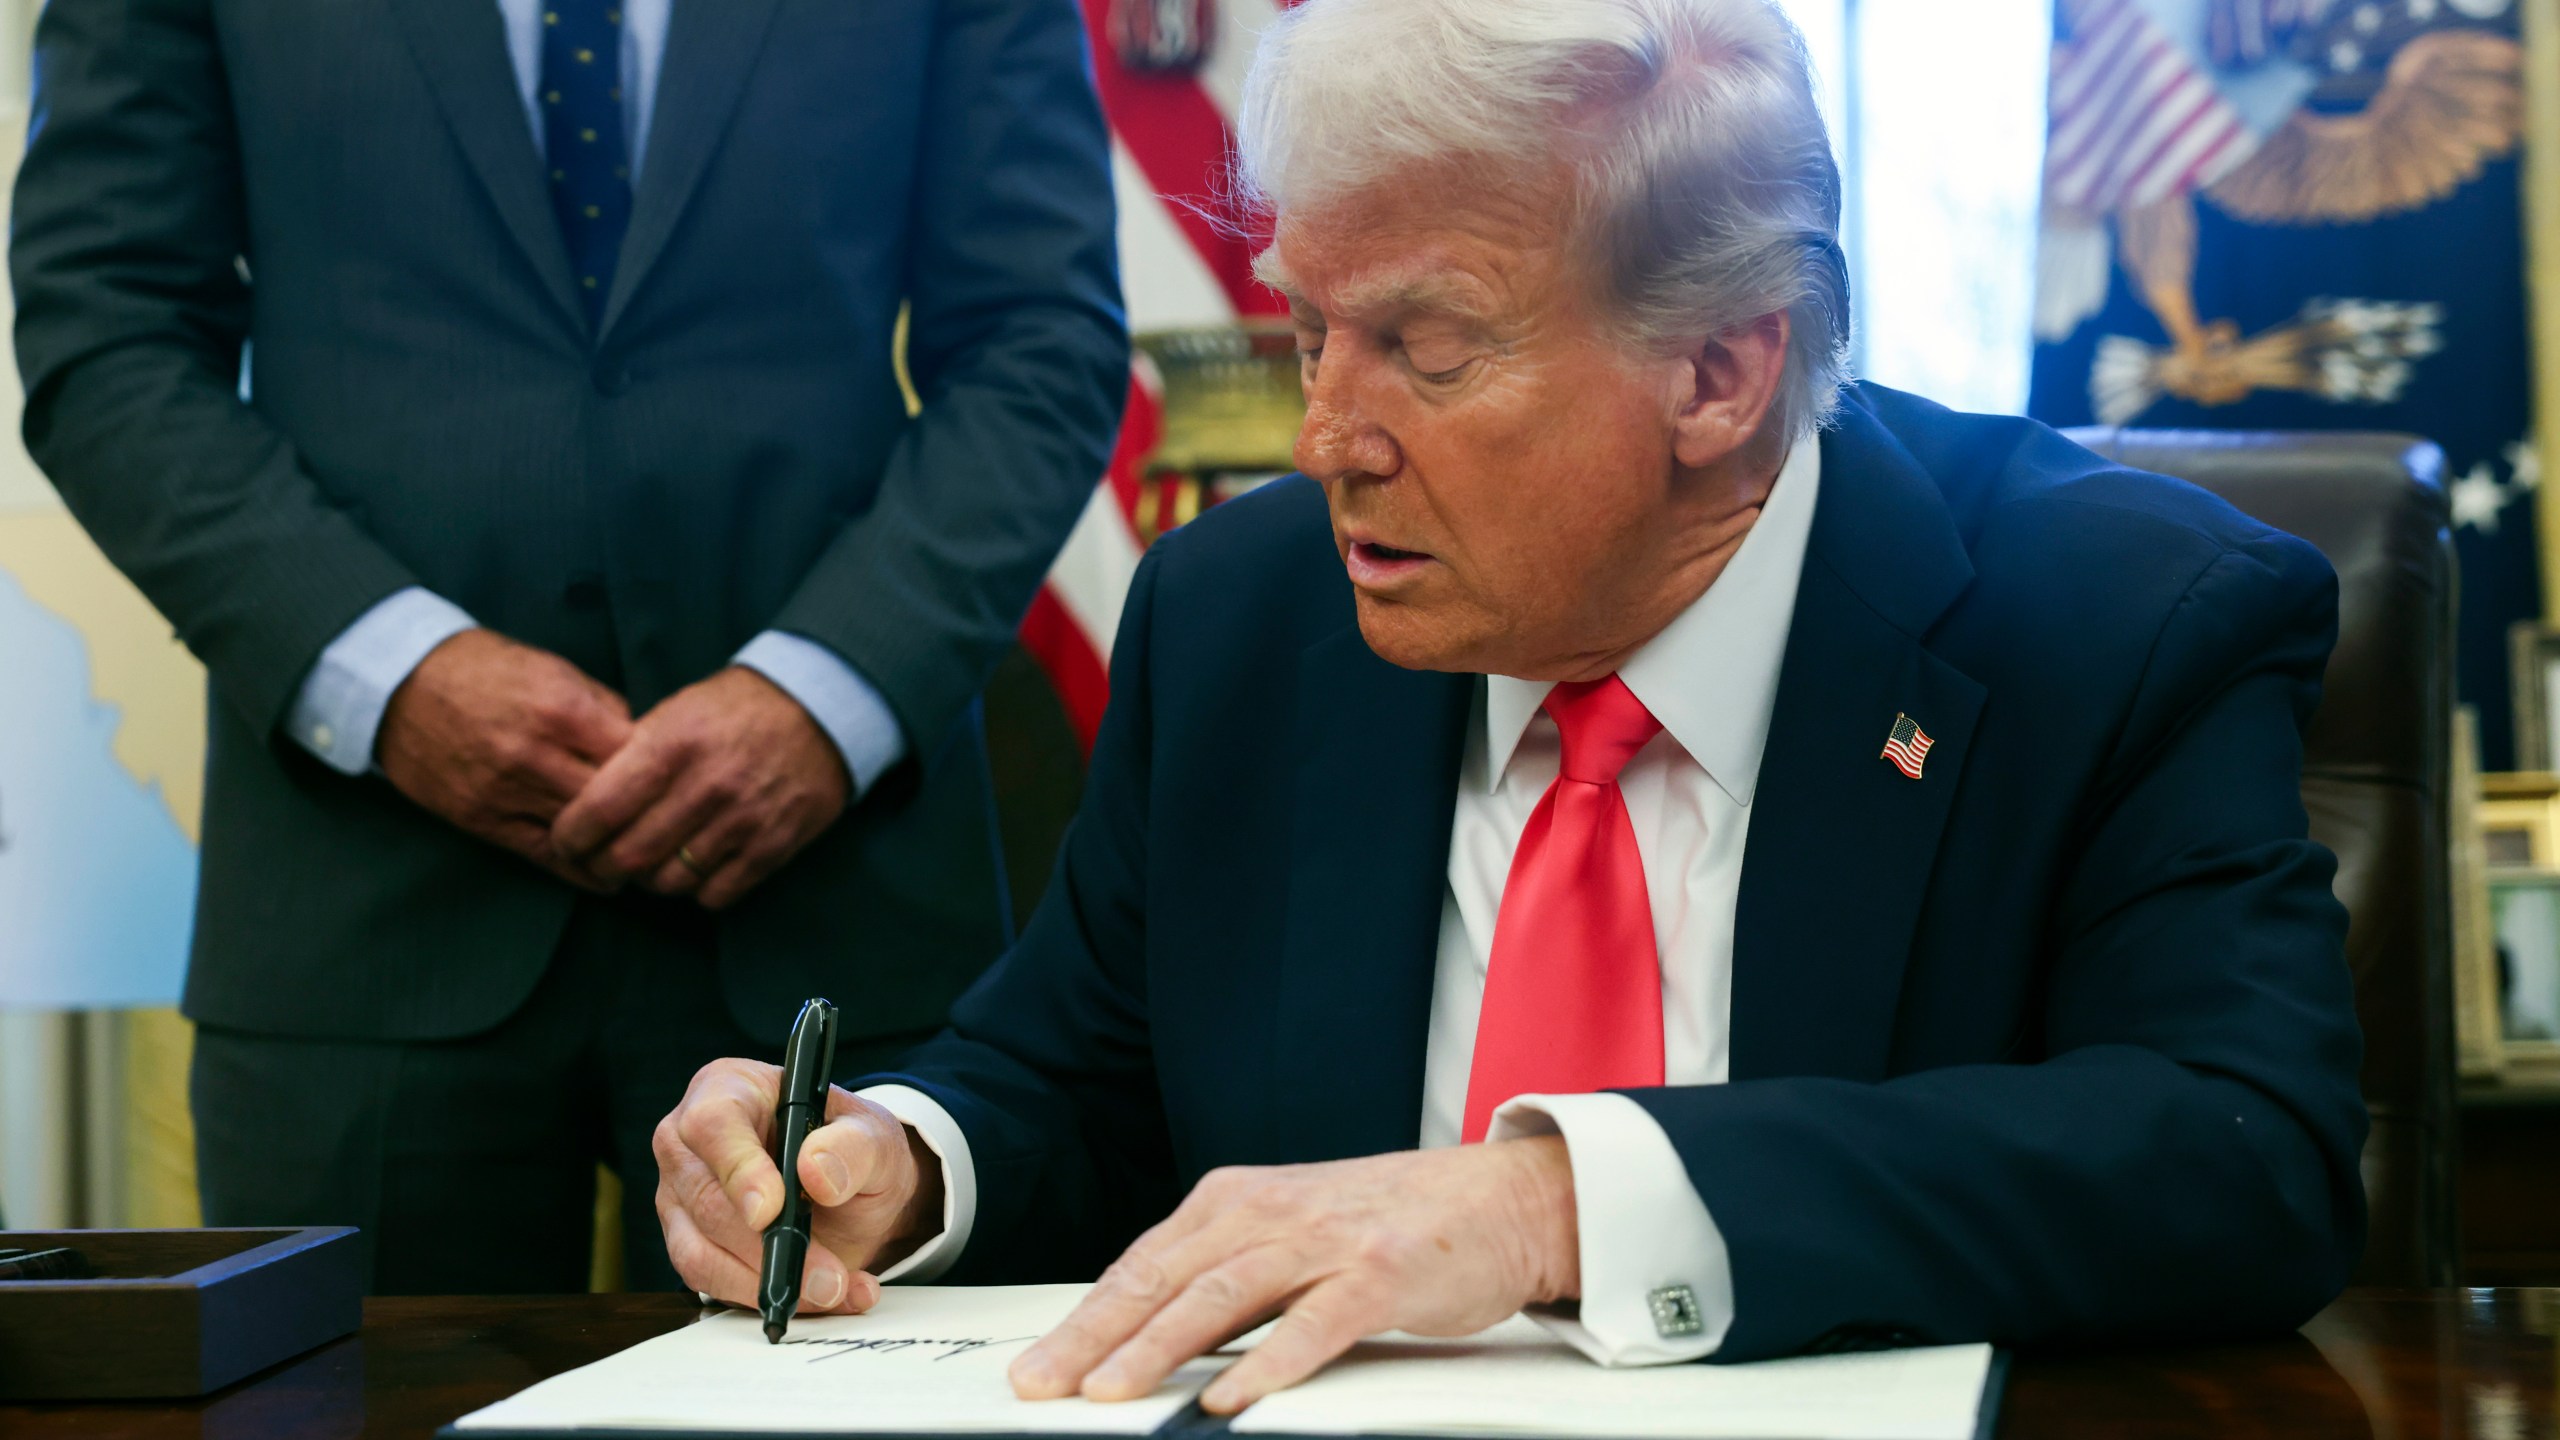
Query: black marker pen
{"type": "Point", "coordinates": [806, 1060]}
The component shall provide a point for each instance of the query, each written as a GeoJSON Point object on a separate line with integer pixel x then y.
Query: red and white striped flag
{"type": "Point", "coordinates": [1184, 260]}
{"type": "Point", "coordinates": [2136, 118]}
{"type": "Point", "coordinates": [1908, 746]}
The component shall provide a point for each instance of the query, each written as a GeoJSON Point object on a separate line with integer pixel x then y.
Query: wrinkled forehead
{"type": "Point", "coordinates": [1394, 284]}
{"type": "Point", "coordinates": [1419, 248]}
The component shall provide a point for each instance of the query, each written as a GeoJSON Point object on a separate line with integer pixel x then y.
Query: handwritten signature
{"type": "Point", "coordinates": [883, 1345]}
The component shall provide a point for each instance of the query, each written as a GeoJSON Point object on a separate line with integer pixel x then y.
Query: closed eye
{"type": "Point", "coordinates": [1451, 375]}
{"type": "Point", "coordinates": [1436, 358]}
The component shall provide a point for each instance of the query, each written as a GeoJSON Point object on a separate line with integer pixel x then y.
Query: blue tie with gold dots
{"type": "Point", "coordinates": [582, 132]}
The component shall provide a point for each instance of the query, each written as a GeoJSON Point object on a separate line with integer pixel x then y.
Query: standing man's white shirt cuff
{"type": "Point", "coordinates": [1653, 1261]}
{"type": "Point", "coordinates": [942, 1135]}
{"type": "Point", "coordinates": [338, 711]}
{"type": "Point", "coordinates": [846, 706]}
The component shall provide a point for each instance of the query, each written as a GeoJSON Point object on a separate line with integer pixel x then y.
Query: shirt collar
{"type": "Point", "coordinates": [1711, 676]}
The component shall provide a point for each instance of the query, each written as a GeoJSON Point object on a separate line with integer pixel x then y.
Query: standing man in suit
{"type": "Point", "coordinates": [1844, 859]}
{"type": "Point", "coordinates": [498, 395]}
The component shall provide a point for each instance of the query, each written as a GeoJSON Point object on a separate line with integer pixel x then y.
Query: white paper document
{"type": "Point", "coordinates": [930, 1360]}
{"type": "Point", "coordinates": [1517, 1379]}
{"type": "Point", "coordinates": [924, 1360]}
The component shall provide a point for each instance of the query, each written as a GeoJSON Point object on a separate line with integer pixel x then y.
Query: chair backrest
{"type": "Point", "coordinates": [2376, 779]}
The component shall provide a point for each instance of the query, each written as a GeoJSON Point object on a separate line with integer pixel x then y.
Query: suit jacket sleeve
{"type": "Point", "coordinates": [2182, 1162]}
{"type": "Point", "coordinates": [1018, 350]}
{"type": "Point", "coordinates": [1048, 1066]}
{"type": "Point", "coordinates": [126, 252]}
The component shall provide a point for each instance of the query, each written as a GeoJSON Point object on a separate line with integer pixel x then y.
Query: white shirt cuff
{"type": "Point", "coordinates": [942, 1135]}
{"type": "Point", "coordinates": [1648, 1244]}
{"type": "Point", "coordinates": [338, 711]}
{"type": "Point", "coordinates": [845, 705]}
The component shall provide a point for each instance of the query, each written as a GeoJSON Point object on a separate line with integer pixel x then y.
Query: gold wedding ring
{"type": "Point", "coordinates": [684, 857]}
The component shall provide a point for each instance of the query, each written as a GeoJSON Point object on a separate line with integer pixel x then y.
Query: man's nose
{"type": "Point", "coordinates": [1338, 441]}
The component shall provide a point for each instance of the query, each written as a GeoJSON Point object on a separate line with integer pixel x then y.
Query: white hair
{"type": "Point", "coordinates": [1706, 196]}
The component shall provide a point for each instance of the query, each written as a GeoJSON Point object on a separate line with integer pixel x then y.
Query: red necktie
{"type": "Point", "coordinates": [1573, 994]}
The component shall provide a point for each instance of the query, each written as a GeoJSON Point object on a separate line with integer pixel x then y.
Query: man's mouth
{"type": "Point", "coordinates": [1372, 563]}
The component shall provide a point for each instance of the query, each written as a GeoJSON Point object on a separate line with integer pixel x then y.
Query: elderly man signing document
{"type": "Point", "coordinates": [1842, 859]}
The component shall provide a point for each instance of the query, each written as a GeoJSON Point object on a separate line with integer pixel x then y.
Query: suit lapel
{"type": "Point", "coordinates": [462, 47]}
{"type": "Point", "coordinates": [1842, 843]}
{"type": "Point", "coordinates": [711, 47]}
{"type": "Point", "coordinates": [1369, 853]}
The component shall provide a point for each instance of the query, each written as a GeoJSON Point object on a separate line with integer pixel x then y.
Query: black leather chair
{"type": "Point", "coordinates": [2375, 779]}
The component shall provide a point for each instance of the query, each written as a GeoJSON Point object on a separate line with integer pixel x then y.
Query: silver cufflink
{"type": "Point", "coordinates": [1675, 1312]}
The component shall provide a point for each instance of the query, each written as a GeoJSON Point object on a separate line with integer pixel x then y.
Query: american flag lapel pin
{"type": "Point", "coordinates": [1908, 746]}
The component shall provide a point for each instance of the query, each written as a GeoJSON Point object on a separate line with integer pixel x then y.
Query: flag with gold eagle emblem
{"type": "Point", "coordinates": [2303, 215]}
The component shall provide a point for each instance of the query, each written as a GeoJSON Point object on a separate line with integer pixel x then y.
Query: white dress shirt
{"type": "Point", "coordinates": [1711, 678]}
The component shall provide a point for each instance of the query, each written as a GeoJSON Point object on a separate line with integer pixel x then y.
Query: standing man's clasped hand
{"type": "Point", "coordinates": [720, 784]}
{"type": "Point", "coordinates": [706, 795]}
{"type": "Point", "coordinates": [1436, 1242]}
{"type": "Point", "coordinates": [498, 738]}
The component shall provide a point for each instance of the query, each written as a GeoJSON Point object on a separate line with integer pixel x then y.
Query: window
{"type": "Point", "coordinates": [1937, 110]}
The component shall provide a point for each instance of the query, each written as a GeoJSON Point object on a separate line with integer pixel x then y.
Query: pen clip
{"type": "Point", "coordinates": [809, 1059]}
{"type": "Point", "coordinates": [826, 1058]}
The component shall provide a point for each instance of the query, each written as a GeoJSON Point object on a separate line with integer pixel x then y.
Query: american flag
{"type": "Point", "coordinates": [1185, 259]}
{"type": "Point", "coordinates": [1908, 746]}
{"type": "Point", "coordinates": [2136, 117]}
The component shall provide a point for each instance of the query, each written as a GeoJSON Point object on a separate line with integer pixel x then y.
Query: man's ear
{"type": "Point", "coordinates": [1732, 381]}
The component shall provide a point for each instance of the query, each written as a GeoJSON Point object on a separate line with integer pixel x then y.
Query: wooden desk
{"type": "Point", "coordinates": [2408, 1363]}
{"type": "Point", "coordinates": [2510, 1191]}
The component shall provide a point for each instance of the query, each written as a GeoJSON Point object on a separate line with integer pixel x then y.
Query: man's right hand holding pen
{"type": "Point", "coordinates": [877, 1188]}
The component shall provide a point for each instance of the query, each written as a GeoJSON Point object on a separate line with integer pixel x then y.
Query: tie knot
{"type": "Point", "coordinates": [1603, 725]}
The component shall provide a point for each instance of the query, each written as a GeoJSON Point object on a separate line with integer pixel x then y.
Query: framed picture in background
{"type": "Point", "coordinates": [2533, 687]}
{"type": "Point", "coordinates": [2524, 909]}
{"type": "Point", "coordinates": [2478, 1048]}
{"type": "Point", "coordinates": [2506, 922]}
{"type": "Point", "coordinates": [2519, 820]}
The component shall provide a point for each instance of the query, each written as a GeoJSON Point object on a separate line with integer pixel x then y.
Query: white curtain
{"type": "Point", "coordinates": [61, 1131]}
{"type": "Point", "coordinates": [1937, 109]}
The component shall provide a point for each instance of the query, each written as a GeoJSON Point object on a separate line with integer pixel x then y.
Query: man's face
{"type": "Point", "coordinates": [1500, 467]}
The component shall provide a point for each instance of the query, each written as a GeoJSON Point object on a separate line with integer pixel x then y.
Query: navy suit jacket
{"type": "Point", "coordinates": [2054, 1044]}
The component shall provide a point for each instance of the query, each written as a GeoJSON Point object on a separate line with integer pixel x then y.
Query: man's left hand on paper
{"type": "Point", "coordinates": [719, 785]}
{"type": "Point", "coordinates": [1436, 1242]}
